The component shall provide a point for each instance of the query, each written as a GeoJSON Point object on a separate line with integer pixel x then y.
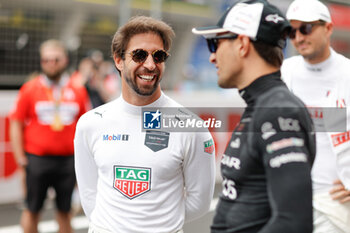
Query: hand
{"type": "Point", "coordinates": [22, 162]}
{"type": "Point", "coordinates": [339, 192]}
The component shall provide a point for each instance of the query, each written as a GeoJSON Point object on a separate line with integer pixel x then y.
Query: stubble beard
{"type": "Point", "coordinates": [142, 91]}
{"type": "Point", "coordinates": [54, 76]}
{"type": "Point", "coordinates": [313, 54]}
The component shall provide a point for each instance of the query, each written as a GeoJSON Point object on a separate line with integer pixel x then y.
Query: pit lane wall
{"type": "Point", "coordinates": [10, 178]}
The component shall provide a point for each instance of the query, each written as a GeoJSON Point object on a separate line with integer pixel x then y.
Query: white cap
{"type": "Point", "coordinates": [308, 11]}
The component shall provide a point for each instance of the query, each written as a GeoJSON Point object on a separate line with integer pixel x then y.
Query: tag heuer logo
{"type": "Point", "coordinates": [209, 146]}
{"type": "Point", "coordinates": [132, 181]}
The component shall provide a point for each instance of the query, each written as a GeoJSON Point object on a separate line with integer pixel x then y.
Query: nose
{"type": "Point", "coordinates": [299, 36]}
{"type": "Point", "coordinates": [212, 58]}
{"type": "Point", "coordinates": [149, 63]}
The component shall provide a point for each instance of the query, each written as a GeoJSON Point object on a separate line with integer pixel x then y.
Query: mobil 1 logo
{"type": "Point", "coordinates": [132, 181]}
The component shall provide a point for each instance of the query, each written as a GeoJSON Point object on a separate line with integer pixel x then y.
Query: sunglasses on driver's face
{"type": "Point", "coordinates": [213, 42]}
{"type": "Point", "coordinates": [304, 29]}
{"type": "Point", "coordinates": [140, 55]}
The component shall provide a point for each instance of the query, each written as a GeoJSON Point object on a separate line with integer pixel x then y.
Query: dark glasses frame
{"type": "Point", "coordinates": [305, 29]}
{"type": "Point", "coordinates": [213, 41]}
{"type": "Point", "coordinates": [141, 55]}
{"type": "Point", "coordinates": [53, 60]}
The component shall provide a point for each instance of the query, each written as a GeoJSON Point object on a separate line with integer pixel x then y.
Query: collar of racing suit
{"type": "Point", "coordinates": [260, 86]}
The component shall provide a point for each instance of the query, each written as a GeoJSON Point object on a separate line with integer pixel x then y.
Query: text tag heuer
{"type": "Point", "coordinates": [132, 181]}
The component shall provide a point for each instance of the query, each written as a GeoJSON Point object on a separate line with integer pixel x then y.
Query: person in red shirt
{"type": "Point", "coordinates": [42, 130]}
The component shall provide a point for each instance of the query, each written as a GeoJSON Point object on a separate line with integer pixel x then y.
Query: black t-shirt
{"type": "Point", "coordinates": [266, 167]}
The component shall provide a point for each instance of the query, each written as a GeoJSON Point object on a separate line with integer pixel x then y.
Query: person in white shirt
{"type": "Point", "coordinates": [321, 78]}
{"type": "Point", "coordinates": [131, 180]}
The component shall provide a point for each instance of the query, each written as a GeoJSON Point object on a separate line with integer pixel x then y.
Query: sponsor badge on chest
{"type": "Point", "coordinates": [132, 181]}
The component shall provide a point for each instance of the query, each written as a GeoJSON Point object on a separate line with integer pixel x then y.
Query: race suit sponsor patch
{"type": "Point", "coordinates": [340, 138]}
{"type": "Point", "coordinates": [132, 181]}
{"type": "Point", "coordinates": [231, 161]}
{"type": "Point", "coordinates": [289, 124]}
{"type": "Point", "coordinates": [287, 158]}
{"type": "Point", "coordinates": [156, 140]}
{"type": "Point", "coordinates": [209, 146]}
{"type": "Point", "coordinates": [267, 130]}
{"type": "Point", "coordinates": [284, 143]}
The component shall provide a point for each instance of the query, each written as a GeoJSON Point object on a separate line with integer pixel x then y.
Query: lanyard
{"type": "Point", "coordinates": [55, 94]}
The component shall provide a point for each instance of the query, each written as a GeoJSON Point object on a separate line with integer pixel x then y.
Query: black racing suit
{"type": "Point", "coordinates": [266, 167]}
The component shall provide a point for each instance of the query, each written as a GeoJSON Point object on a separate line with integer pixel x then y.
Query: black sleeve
{"type": "Point", "coordinates": [286, 146]}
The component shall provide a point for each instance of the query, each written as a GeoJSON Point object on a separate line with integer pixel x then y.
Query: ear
{"type": "Point", "coordinates": [244, 45]}
{"type": "Point", "coordinates": [119, 62]}
{"type": "Point", "coordinates": [329, 28]}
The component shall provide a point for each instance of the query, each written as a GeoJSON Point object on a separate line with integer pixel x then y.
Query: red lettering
{"type": "Point", "coordinates": [340, 138]}
{"type": "Point", "coordinates": [118, 184]}
{"type": "Point", "coordinates": [137, 187]}
{"type": "Point", "coordinates": [124, 188]}
{"type": "Point", "coordinates": [131, 189]}
{"type": "Point", "coordinates": [144, 186]}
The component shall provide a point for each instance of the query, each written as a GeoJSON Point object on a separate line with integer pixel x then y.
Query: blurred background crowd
{"type": "Point", "coordinates": [87, 26]}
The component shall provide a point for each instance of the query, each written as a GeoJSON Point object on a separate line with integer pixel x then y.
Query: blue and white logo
{"type": "Point", "coordinates": [152, 120]}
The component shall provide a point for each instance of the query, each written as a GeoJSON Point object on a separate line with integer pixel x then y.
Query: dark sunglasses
{"type": "Point", "coordinates": [304, 29]}
{"type": "Point", "coordinates": [213, 42]}
{"type": "Point", "coordinates": [54, 60]}
{"type": "Point", "coordinates": [140, 55]}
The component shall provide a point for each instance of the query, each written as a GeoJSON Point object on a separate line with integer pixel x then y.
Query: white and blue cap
{"type": "Point", "coordinates": [257, 19]}
{"type": "Point", "coordinates": [308, 11]}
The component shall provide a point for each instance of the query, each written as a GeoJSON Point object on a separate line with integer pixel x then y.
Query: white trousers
{"type": "Point", "coordinates": [330, 216]}
{"type": "Point", "coordinates": [95, 229]}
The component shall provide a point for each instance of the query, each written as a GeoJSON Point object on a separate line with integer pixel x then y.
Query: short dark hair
{"type": "Point", "coordinates": [273, 55]}
{"type": "Point", "coordinates": [138, 25]}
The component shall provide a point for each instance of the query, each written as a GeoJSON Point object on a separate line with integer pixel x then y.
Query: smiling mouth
{"type": "Point", "coordinates": [303, 44]}
{"type": "Point", "coordinates": [147, 78]}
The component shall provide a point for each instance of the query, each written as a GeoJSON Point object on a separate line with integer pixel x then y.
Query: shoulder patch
{"type": "Point", "coordinates": [209, 146]}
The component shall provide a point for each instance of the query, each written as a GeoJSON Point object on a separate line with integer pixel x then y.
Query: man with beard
{"type": "Point", "coordinates": [132, 180]}
{"type": "Point", "coordinates": [42, 130]}
{"type": "Point", "coordinates": [321, 78]}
